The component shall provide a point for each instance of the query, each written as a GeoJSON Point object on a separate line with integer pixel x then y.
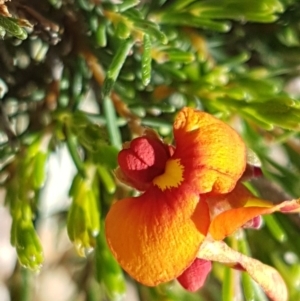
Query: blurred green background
{"type": "Point", "coordinates": [80, 77]}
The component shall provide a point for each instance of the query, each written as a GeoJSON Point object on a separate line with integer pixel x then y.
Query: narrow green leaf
{"type": "Point", "coordinates": [247, 282]}
{"type": "Point", "coordinates": [126, 4]}
{"type": "Point", "coordinates": [248, 289]}
{"type": "Point", "coordinates": [146, 60]}
{"type": "Point", "coordinates": [108, 271]}
{"type": "Point", "coordinates": [179, 56]}
{"type": "Point", "coordinates": [146, 26]}
{"type": "Point", "coordinates": [76, 185]}
{"type": "Point", "coordinates": [115, 66]}
{"type": "Point", "coordinates": [289, 37]}
{"type": "Point", "coordinates": [100, 35]}
{"type": "Point", "coordinates": [180, 4]}
{"type": "Point", "coordinates": [107, 179]}
{"type": "Point", "coordinates": [93, 22]}
{"type": "Point", "coordinates": [73, 150]}
{"type": "Point", "coordinates": [291, 229]}
{"type": "Point", "coordinates": [155, 122]}
{"type": "Point", "coordinates": [112, 126]}
{"type": "Point", "coordinates": [39, 173]}
{"type": "Point", "coordinates": [237, 60]}
{"type": "Point", "coordinates": [123, 31]}
{"type": "Point", "coordinates": [187, 19]}
{"type": "Point", "coordinates": [276, 112]}
{"type": "Point", "coordinates": [252, 116]}
{"type": "Point", "coordinates": [275, 228]}
{"type": "Point", "coordinates": [11, 26]}
{"type": "Point", "coordinates": [86, 4]}
{"type": "Point", "coordinates": [169, 69]}
{"type": "Point", "coordinates": [77, 84]}
{"type": "Point", "coordinates": [228, 285]}
{"type": "Point", "coordinates": [92, 213]}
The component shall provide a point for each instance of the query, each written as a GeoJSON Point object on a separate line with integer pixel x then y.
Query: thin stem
{"type": "Point", "coordinates": [26, 287]}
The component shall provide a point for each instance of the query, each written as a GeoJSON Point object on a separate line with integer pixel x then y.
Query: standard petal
{"type": "Point", "coordinates": [211, 151]}
{"type": "Point", "coordinates": [267, 277]}
{"type": "Point", "coordinates": [152, 236]}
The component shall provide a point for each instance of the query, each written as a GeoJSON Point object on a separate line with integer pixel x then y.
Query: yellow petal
{"type": "Point", "coordinates": [267, 277]}
{"type": "Point", "coordinates": [211, 151]}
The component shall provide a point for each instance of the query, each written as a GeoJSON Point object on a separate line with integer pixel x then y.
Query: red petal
{"type": "Point", "coordinates": [143, 160]}
{"type": "Point", "coordinates": [194, 276]}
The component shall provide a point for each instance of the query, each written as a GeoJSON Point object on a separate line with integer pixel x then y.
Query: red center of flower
{"type": "Point", "coordinates": [144, 160]}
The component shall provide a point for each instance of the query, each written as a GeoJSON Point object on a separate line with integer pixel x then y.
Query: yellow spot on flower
{"type": "Point", "coordinates": [172, 177]}
{"type": "Point", "coordinates": [255, 202]}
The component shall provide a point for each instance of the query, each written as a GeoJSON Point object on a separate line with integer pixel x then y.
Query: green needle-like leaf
{"type": "Point", "coordinates": [107, 179]}
{"type": "Point", "coordinates": [146, 60]}
{"type": "Point", "coordinates": [275, 228]}
{"type": "Point", "coordinates": [39, 172]}
{"type": "Point", "coordinates": [11, 26]}
{"type": "Point", "coordinates": [112, 126]}
{"type": "Point", "coordinates": [126, 4]}
{"type": "Point", "coordinates": [228, 291]}
{"type": "Point", "coordinates": [115, 66]}
{"type": "Point", "coordinates": [108, 270]}
{"type": "Point", "coordinates": [248, 288]}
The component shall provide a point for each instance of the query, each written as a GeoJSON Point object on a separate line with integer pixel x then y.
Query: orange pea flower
{"type": "Point", "coordinates": [188, 197]}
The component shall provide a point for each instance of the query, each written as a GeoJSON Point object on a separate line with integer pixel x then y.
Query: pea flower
{"type": "Point", "coordinates": [191, 200]}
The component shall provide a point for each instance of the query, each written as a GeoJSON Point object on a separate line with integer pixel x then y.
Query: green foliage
{"type": "Point", "coordinates": [108, 271]}
{"type": "Point", "coordinates": [137, 63]}
{"type": "Point", "coordinates": [27, 176]}
{"type": "Point", "coordinates": [83, 222]}
{"type": "Point", "coordinates": [14, 27]}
